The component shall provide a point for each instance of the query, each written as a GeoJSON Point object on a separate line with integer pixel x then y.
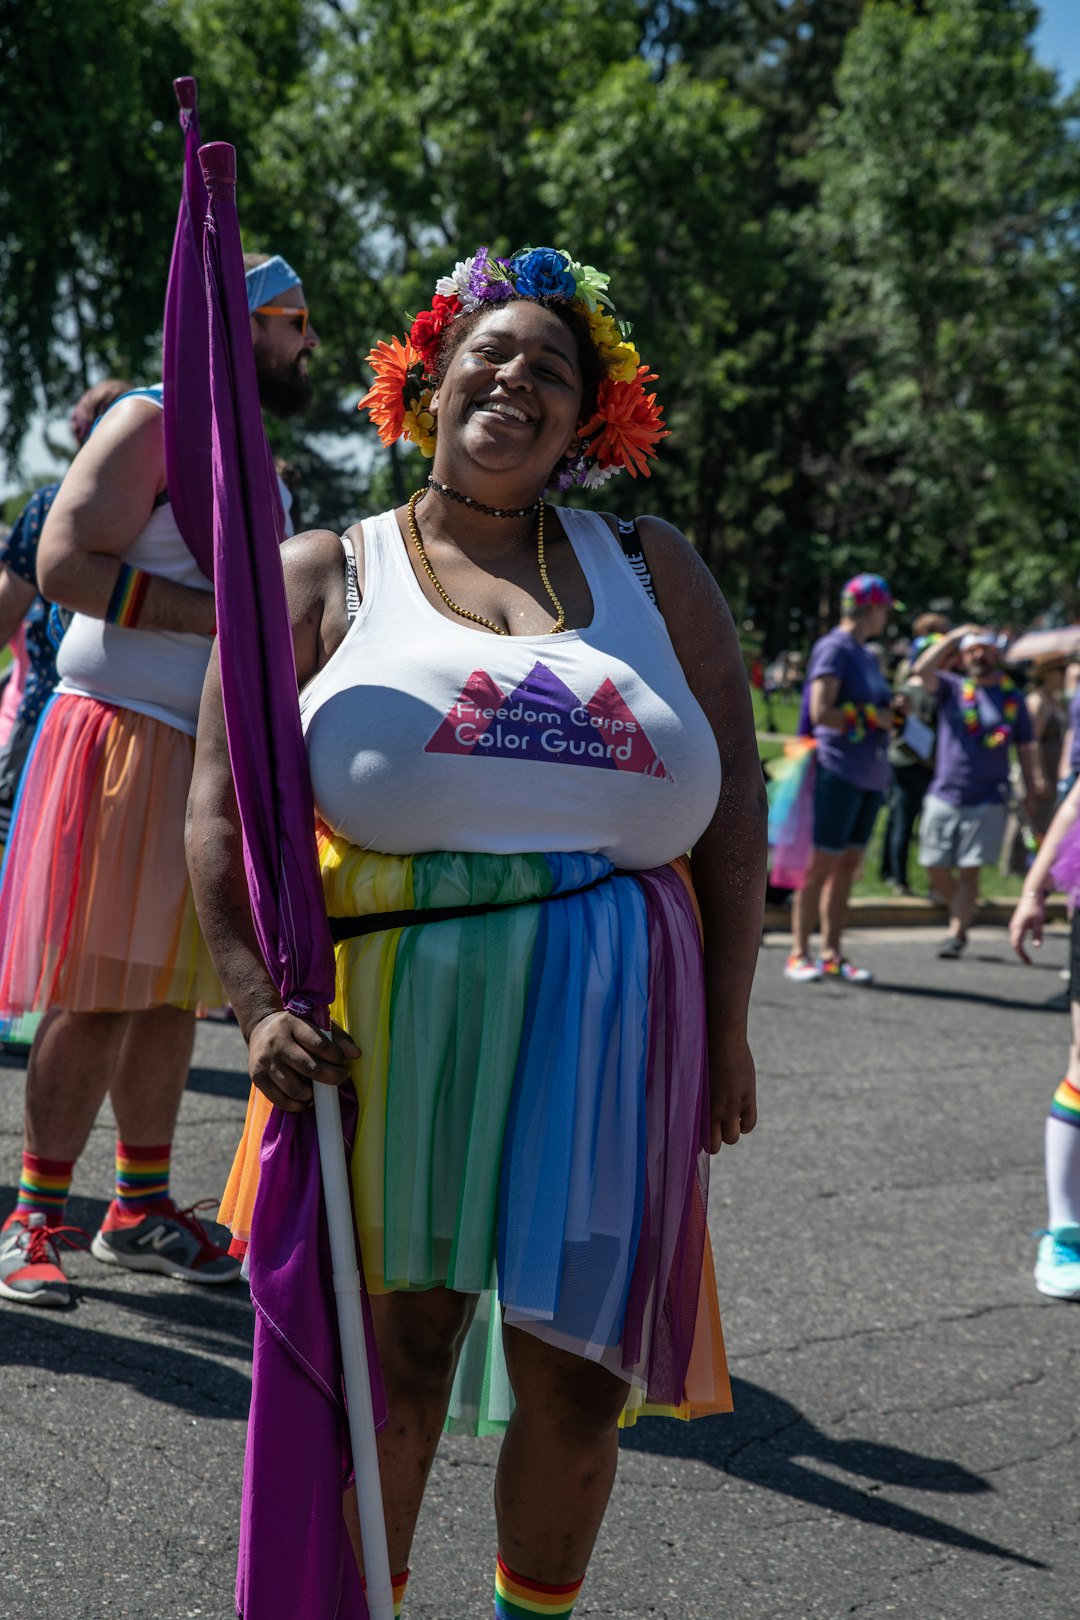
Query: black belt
{"type": "Point", "coordinates": [379, 922]}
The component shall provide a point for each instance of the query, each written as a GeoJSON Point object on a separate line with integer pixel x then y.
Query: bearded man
{"type": "Point", "coordinates": [97, 924]}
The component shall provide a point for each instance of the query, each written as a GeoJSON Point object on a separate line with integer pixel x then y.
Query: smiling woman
{"type": "Point", "coordinates": [511, 751]}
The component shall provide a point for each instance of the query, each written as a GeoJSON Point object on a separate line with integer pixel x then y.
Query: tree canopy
{"type": "Point", "coordinates": [845, 230]}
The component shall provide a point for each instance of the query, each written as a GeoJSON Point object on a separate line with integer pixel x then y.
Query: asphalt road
{"type": "Point", "coordinates": [905, 1439]}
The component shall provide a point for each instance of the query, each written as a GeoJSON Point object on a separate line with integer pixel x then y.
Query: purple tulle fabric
{"type": "Point", "coordinates": [661, 1309]}
{"type": "Point", "coordinates": [1066, 869]}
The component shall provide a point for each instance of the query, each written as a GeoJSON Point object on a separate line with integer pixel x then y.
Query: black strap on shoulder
{"type": "Point", "coordinates": [631, 545]}
{"type": "Point", "coordinates": [352, 581]}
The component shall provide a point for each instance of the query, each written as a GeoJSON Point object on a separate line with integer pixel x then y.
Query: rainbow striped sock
{"type": "Point", "coordinates": [517, 1598]}
{"type": "Point", "coordinates": [142, 1176]}
{"type": "Point", "coordinates": [398, 1584]}
{"type": "Point", "coordinates": [44, 1186]}
{"type": "Point", "coordinates": [1066, 1104]}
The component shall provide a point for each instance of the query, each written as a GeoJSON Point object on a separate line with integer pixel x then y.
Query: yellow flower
{"type": "Point", "coordinates": [622, 358]}
{"type": "Point", "coordinates": [626, 361]}
{"type": "Point", "coordinates": [605, 334]}
{"type": "Point", "coordinates": [418, 424]}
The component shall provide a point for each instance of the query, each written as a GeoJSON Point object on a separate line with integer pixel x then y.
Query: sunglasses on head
{"type": "Point", "coordinates": [297, 312]}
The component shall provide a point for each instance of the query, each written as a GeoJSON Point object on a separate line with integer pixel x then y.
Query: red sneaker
{"type": "Point", "coordinates": [170, 1241]}
{"type": "Point", "coordinates": [30, 1270]}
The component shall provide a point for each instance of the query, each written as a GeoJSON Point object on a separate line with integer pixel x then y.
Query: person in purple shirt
{"type": "Point", "coordinates": [980, 714]}
{"type": "Point", "coordinates": [847, 705]}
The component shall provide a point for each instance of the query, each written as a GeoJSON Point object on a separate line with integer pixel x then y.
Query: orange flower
{"type": "Point", "coordinates": [627, 423]}
{"type": "Point", "coordinates": [385, 399]}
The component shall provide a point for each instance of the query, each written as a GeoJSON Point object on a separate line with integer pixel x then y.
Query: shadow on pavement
{"type": "Point", "coordinates": [766, 1441]}
{"type": "Point", "coordinates": [219, 1083]}
{"type": "Point", "coordinates": [933, 992]}
{"type": "Point", "coordinates": [217, 1320]}
{"type": "Point", "coordinates": [55, 1343]}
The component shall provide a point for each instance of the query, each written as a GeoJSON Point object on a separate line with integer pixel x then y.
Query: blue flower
{"type": "Point", "coordinates": [543, 273]}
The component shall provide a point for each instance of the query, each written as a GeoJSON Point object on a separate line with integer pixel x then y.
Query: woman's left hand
{"type": "Point", "coordinates": [732, 1091]}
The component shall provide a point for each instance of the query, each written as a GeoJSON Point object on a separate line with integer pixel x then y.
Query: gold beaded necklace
{"type": "Point", "coordinates": [467, 613]}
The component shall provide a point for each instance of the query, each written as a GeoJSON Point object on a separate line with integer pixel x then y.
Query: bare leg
{"type": "Point", "coordinates": [805, 902]}
{"type": "Point", "coordinates": [834, 901]}
{"type": "Point", "coordinates": [964, 896]}
{"type": "Point", "coordinates": [942, 884]}
{"type": "Point", "coordinates": [557, 1463]}
{"type": "Point", "coordinates": [72, 1062]}
{"type": "Point", "coordinates": [1074, 1044]}
{"type": "Point", "coordinates": [151, 1073]}
{"type": "Point", "coordinates": [420, 1337]}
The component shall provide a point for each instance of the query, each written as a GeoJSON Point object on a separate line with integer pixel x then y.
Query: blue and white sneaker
{"type": "Point", "coordinates": [1057, 1266]}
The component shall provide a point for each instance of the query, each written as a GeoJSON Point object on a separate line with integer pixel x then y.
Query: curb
{"type": "Point", "coordinates": [902, 912]}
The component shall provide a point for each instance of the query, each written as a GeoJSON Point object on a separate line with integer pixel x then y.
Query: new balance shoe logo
{"type": "Point", "coordinates": [158, 1238]}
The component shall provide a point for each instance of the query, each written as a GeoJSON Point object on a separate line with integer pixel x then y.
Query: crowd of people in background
{"type": "Point", "coordinates": [974, 749]}
{"type": "Point", "coordinates": [956, 757]}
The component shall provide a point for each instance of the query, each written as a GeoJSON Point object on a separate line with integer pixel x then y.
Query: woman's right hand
{"type": "Point", "coordinates": [287, 1056]}
{"type": "Point", "coordinates": [1028, 918]}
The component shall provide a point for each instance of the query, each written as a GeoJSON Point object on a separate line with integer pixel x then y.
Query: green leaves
{"type": "Point", "coordinates": [846, 235]}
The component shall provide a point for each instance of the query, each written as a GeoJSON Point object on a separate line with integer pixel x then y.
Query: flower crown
{"type": "Point", "coordinates": [625, 426]}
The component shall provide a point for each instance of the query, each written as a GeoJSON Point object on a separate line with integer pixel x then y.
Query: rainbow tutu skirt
{"type": "Point", "coordinates": [533, 1122]}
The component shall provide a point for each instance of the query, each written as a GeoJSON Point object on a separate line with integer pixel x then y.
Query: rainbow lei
{"type": "Point", "coordinates": [625, 427]}
{"type": "Point", "coordinates": [996, 736]}
{"type": "Point", "coordinates": [859, 718]}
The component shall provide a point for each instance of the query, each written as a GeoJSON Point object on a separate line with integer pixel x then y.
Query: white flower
{"type": "Point", "coordinates": [598, 475]}
{"type": "Point", "coordinates": [457, 285]}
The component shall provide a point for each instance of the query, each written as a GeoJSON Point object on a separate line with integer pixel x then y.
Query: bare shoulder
{"type": "Point", "coordinates": [692, 603]}
{"type": "Point", "coordinates": [314, 566]}
{"type": "Point", "coordinates": [127, 442]}
{"type": "Point", "coordinates": [677, 570]}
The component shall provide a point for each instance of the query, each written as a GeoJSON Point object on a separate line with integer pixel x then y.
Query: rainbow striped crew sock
{"type": "Point", "coordinates": [142, 1177]}
{"type": "Point", "coordinates": [517, 1598]}
{"type": "Point", "coordinates": [1066, 1104]}
{"type": "Point", "coordinates": [43, 1187]}
{"type": "Point", "coordinates": [398, 1584]}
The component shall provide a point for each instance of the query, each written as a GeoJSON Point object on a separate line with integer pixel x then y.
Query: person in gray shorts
{"type": "Point", "coordinates": [980, 715]}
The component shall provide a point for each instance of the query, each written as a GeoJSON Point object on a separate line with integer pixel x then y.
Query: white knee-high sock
{"type": "Point", "coordinates": [1063, 1156]}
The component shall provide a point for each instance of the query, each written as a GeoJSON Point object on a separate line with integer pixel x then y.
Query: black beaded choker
{"type": "Point", "coordinates": [478, 506]}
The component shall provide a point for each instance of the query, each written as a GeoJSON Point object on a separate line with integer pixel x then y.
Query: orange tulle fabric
{"type": "Point", "coordinates": [96, 912]}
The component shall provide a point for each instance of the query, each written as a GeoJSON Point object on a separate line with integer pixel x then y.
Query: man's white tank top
{"type": "Point", "coordinates": [424, 733]}
{"type": "Point", "coordinates": [155, 672]}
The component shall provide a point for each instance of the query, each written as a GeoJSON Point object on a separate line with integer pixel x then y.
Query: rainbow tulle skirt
{"type": "Point", "coordinates": [792, 779]}
{"type": "Point", "coordinates": [96, 911]}
{"type": "Point", "coordinates": [533, 1114]}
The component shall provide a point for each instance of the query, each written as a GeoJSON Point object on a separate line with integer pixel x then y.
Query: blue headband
{"type": "Point", "coordinates": [268, 280]}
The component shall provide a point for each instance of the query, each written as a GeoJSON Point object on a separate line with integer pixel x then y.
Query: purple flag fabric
{"type": "Point", "coordinates": [185, 359]}
{"type": "Point", "coordinates": [184, 364]}
{"type": "Point", "coordinates": [293, 1556]}
{"type": "Point", "coordinates": [292, 1523]}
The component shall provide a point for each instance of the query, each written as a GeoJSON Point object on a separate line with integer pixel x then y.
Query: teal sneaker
{"type": "Point", "coordinates": [1057, 1266]}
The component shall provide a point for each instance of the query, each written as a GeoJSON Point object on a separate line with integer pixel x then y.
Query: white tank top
{"type": "Point", "coordinates": [155, 672]}
{"type": "Point", "coordinates": [425, 734]}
